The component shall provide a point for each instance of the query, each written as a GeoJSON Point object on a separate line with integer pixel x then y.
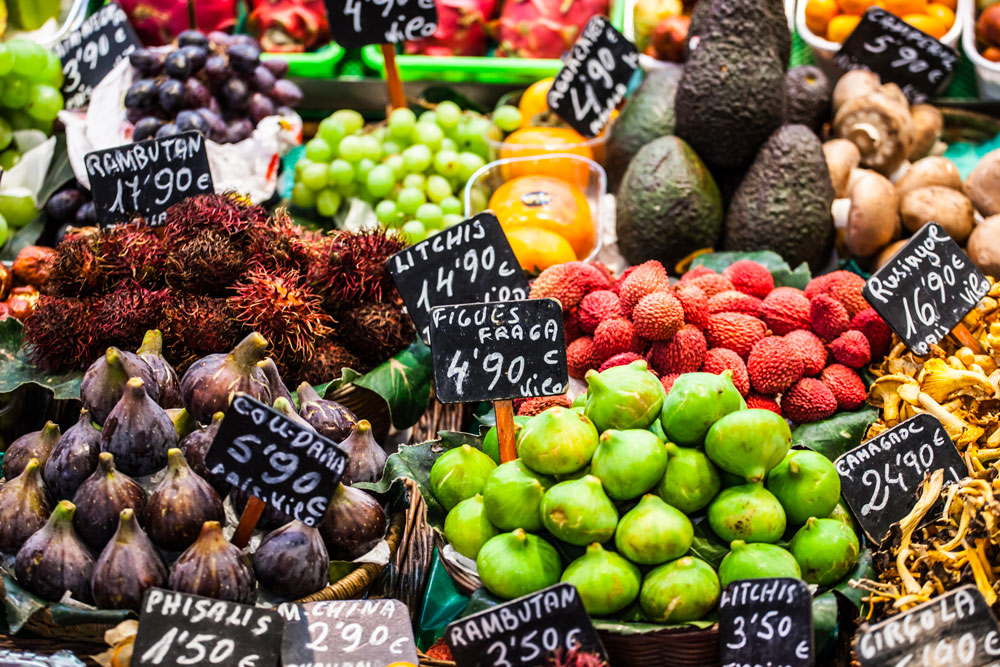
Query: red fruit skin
{"type": "Point", "coordinates": [759, 402]}
{"type": "Point", "coordinates": [288, 26]}
{"type": "Point", "coordinates": [668, 381]}
{"type": "Point", "coordinates": [846, 385]}
{"type": "Point", "coordinates": [617, 286]}
{"type": "Point", "coordinates": [785, 309]}
{"type": "Point", "coordinates": [811, 350]}
{"type": "Point", "coordinates": [720, 359]}
{"type": "Point", "coordinates": [809, 400]}
{"type": "Point", "coordinates": [581, 356]}
{"type": "Point", "coordinates": [647, 278]}
{"type": "Point", "coordinates": [712, 283]}
{"type": "Point", "coordinates": [828, 317]}
{"type": "Point", "coordinates": [696, 272]}
{"type": "Point", "coordinates": [683, 353]}
{"type": "Point", "coordinates": [596, 307]}
{"type": "Point", "coordinates": [734, 301]}
{"type": "Point", "coordinates": [571, 325]}
{"type": "Point", "coordinates": [875, 329]}
{"type": "Point", "coordinates": [529, 407]}
{"type": "Point", "coordinates": [460, 30]}
{"type": "Point", "coordinates": [658, 316]}
{"type": "Point", "coordinates": [694, 302]}
{"type": "Point", "coordinates": [750, 278]}
{"type": "Point", "coordinates": [568, 283]}
{"type": "Point", "coordinates": [851, 349]}
{"type": "Point", "coordinates": [774, 365]}
{"type": "Point", "coordinates": [623, 359]}
{"type": "Point", "coordinates": [734, 331]}
{"type": "Point", "coordinates": [817, 285]}
{"type": "Point", "coordinates": [543, 28]}
{"type": "Point", "coordinates": [614, 337]}
{"type": "Point", "coordinates": [844, 286]}
{"type": "Point", "coordinates": [158, 22]}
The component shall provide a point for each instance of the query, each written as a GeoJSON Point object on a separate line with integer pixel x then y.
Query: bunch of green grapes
{"type": "Point", "coordinates": [412, 170]}
{"type": "Point", "coordinates": [30, 79]}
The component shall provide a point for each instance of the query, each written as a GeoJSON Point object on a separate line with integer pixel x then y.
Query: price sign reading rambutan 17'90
{"type": "Point", "coordinates": [146, 178]}
{"type": "Point", "coordinates": [926, 288]}
{"type": "Point", "coordinates": [354, 23]}
{"type": "Point", "coordinates": [766, 622]}
{"type": "Point", "coordinates": [288, 466]}
{"type": "Point", "coordinates": [594, 78]}
{"type": "Point", "coordinates": [498, 351]}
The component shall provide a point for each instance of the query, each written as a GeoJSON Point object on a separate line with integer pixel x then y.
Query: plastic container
{"type": "Point", "coordinates": [987, 72]}
{"type": "Point", "coordinates": [588, 148]}
{"type": "Point", "coordinates": [318, 64]}
{"type": "Point", "coordinates": [594, 182]}
{"type": "Point", "coordinates": [71, 15]}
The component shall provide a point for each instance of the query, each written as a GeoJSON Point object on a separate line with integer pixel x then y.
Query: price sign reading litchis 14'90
{"type": "Point", "coordinates": [354, 23]}
{"type": "Point", "coordinates": [766, 622]}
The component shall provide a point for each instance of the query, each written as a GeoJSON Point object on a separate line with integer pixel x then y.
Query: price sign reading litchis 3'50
{"type": "Point", "coordinates": [766, 622]}
{"type": "Point", "coordinates": [354, 23]}
{"type": "Point", "coordinates": [594, 78]}
{"type": "Point", "coordinates": [926, 288]}
{"type": "Point", "coordinates": [498, 351]}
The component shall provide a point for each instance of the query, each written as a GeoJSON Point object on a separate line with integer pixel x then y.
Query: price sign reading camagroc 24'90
{"type": "Point", "coordinates": [177, 629]}
{"type": "Point", "coordinates": [766, 622]}
{"type": "Point", "coordinates": [498, 351]}
{"type": "Point", "coordinates": [147, 177]}
{"type": "Point", "coordinates": [292, 468]}
{"type": "Point", "coordinates": [926, 288]}
{"type": "Point", "coordinates": [594, 78]}
{"type": "Point", "coordinates": [354, 23]}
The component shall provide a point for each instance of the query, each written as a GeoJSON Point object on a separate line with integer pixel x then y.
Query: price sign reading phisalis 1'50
{"type": "Point", "coordinates": [498, 351]}
{"type": "Point", "coordinates": [354, 23]}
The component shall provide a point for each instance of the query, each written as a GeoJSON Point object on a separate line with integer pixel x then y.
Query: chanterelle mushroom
{"type": "Point", "coordinates": [941, 381]}
{"type": "Point", "coordinates": [884, 393]}
{"type": "Point", "coordinates": [880, 125]}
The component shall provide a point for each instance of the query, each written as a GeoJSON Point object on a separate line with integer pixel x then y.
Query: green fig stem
{"type": "Point", "coordinates": [217, 417]}
{"type": "Point", "coordinates": [176, 461]}
{"type": "Point", "coordinates": [737, 544]}
{"type": "Point", "coordinates": [520, 537]}
{"type": "Point", "coordinates": [32, 467]}
{"type": "Point", "coordinates": [210, 530]}
{"type": "Point", "coordinates": [249, 351]}
{"type": "Point", "coordinates": [594, 380]}
{"type": "Point", "coordinates": [307, 394]}
{"type": "Point", "coordinates": [363, 426]}
{"type": "Point", "coordinates": [61, 518]}
{"type": "Point", "coordinates": [126, 526]}
{"type": "Point", "coordinates": [134, 388]}
{"type": "Point", "coordinates": [594, 547]}
{"type": "Point", "coordinates": [113, 356]}
{"type": "Point", "coordinates": [50, 432]}
{"type": "Point", "coordinates": [793, 467]}
{"type": "Point", "coordinates": [183, 422]}
{"type": "Point", "coordinates": [106, 462]}
{"type": "Point", "coordinates": [152, 343]}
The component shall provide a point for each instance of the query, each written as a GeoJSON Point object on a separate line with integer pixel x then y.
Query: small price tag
{"type": "Point", "coordinates": [498, 351]}
{"type": "Point", "coordinates": [88, 54]}
{"type": "Point", "coordinates": [62, 658]}
{"type": "Point", "coordinates": [524, 632]}
{"type": "Point", "coordinates": [926, 288]}
{"type": "Point", "coordinates": [899, 53]}
{"type": "Point", "coordinates": [354, 23]}
{"type": "Point", "coordinates": [956, 628]}
{"type": "Point", "coordinates": [292, 468]}
{"type": "Point", "coordinates": [880, 478]}
{"type": "Point", "coordinates": [471, 262]}
{"type": "Point", "coordinates": [347, 632]}
{"type": "Point", "coordinates": [594, 77]}
{"type": "Point", "coordinates": [177, 629]}
{"type": "Point", "coordinates": [766, 622]}
{"type": "Point", "coordinates": [148, 177]}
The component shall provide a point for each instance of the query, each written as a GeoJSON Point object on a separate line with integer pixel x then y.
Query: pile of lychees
{"type": "Point", "coordinates": [791, 351]}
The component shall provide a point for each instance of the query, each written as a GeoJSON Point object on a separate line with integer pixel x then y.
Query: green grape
{"type": "Point", "coordinates": [430, 215]}
{"type": "Point", "coordinates": [448, 114]}
{"type": "Point", "coordinates": [349, 190]}
{"type": "Point", "coordinates": [303, 197]}
{"type": "Point", "coordinates": [349, 119]}
{"type": "Point", "coordinates": [9, 158]}
{"type": "Point", "coordinates": [318, 150]}
{"type": "Point", "coordinates": [371, 147]}
{"type": "Point", "coordinates": [452, 219]}
{"type": "Point", "coordinates": [438, 188]}
{"type": "Point", "coordinates": [448, 144]}
{"type": "Point", "coordinates": [16, 93]}
{"type": "Point", "coordinates": [507, 118]}
{"type": "Point", "coordinates": [409, 200]}
{"type": "Point", "coordinates": [478, 199]}
{"type": "Point", "coordinates": [17, 205]}
{"type": "Point", "coordinates": [417, 158]}
{"type": "Point", "coordinates": [301, 165]}
{"type": "Point", "coordinates": [331, 131]}
{"type": "Point", "coordinates": [429, 135]}
{"type": "Point", "coordinates": [417, 181]}
{"type": "Point", "coordinates": [414, 231]}
{"type": "Point", "coordinates": [390, 147]}
{"type": "Point", "coordinates": [340, 172]}
{"type": "Point", "coordinates": [4, 230]}
{"type": "Point", "coordinates": [20, 120]}
{"type": "Point", "coordinates": [44, 102]}
{"type": "Point", "coordinates": [378, 133]}
{"type": "Point", "coordinates": [446, 162]}
{"type": "Point", "coordinates": [380, 180]}
{"type": "Point", "coordinates": [29, 58]}
{"type": "Point", "coordinates": [428, 117]}
{"type": "Point", "coordinates": [327, 202]}
{"type": "Point", "coordinates": [468, 163]}
{"type": "Point", "coordinates": [451, 206]}
{"type": "Point", "coordinates": [401, 122]}
{"type": "Point", "coordinates": [351, 148]}
{"type": "Point", "coordinates": [6, 134]}
{"type": "Point", "coordinates": [315, 176]}
{"type": "Point", "coordinates": [362, 168]}
{"type": "Point", "coordinates": [397, 164]}
{"type": "Point", "coordinates": [387, 213]}
{"type": "Point", "coordinates": [53, 70]}
{"type": "Point", "coordinates": [6, 60]}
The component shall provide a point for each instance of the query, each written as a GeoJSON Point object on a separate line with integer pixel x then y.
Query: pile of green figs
{"type": "Point", "coordinates": [622, 477]}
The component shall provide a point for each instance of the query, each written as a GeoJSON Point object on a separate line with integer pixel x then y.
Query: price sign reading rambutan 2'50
{"type": "Point", "coordinates": [355, 23]}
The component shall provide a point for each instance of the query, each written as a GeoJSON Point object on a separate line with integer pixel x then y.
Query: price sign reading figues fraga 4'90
{"type": "Point", "coordinates": [355, 23]}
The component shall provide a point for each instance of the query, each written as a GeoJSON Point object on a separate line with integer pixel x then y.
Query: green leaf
{"type": "Point", "coordinates": [784, 275]}
{"type": "Point", "coordinates": [404, 381]}
{"type": "Point", "coordinates": [16, 370]}
{"type": "Point", "coordinates": [22, 238]}
{"type": "Point", "coordinates": [836, 435]}
{"type": "Point", "coordinates": [19, 604]}
{"type": "Point", "coordinates": [707, 545]}
{"type": "Point", "coordinates": [865, 569]}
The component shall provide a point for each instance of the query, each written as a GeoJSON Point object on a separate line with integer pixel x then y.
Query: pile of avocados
{"type": "Point", "coordinates": [722, 151]}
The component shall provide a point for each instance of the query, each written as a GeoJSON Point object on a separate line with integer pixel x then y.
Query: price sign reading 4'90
{"type": "Point", "coordinates": [354, 23]}
{"type": "Point", "coordinates": [766, 622]}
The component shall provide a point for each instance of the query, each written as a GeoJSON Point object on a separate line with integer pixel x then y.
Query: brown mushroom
{"type": "Point", "coordinates": [949, 208]}
{"type": "Point", "coordinates": [841, 157]}
{"type": "Point", "coordinates": [984, 246]}
{"type": "Point", "coordinates": [928, 123]}
{"type": "Point", "coordinates": [873, 221]}
{"type": "Point", "coordinates": [983, 184]}
{"type": "Point", "coordinates": [880, 125]}
{"type": "Point", "coordinates": [856, 83]}
{"type": "Point", "coordinates": [888, 252]}
{"type": "Point", "coordinates": [930, 171]}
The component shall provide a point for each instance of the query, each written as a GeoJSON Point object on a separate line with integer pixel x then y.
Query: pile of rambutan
{"type": "Point", "coordinates": [795, 352]}
{"type": "Point", "coordinates": [218, 269]}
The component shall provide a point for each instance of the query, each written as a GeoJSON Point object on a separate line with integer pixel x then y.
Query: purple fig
{"type": "Point", "coordinates": [274, 381]}
{"type": "Point", "coordinates": [105, 380]}
{"type": "Point", "coordinates": [34, 445]}
{"type": "Point", "coordinates": [73, 459]}
{"type": "Point", "coordinates": [195, 447]}
{"type": "Point", "coordinates": [285, 407]}
{"type": "Point", "coordinates": [179, 505]}
{"type": "Point", "coordinates": [54, 560]}
{"type": "Point", "coordinates": [270, 519]}
{"type": "Point", "coordinates": [353, 524]}
{"type": "Point", "coordinates": [215, 568]}
{"type": "Point", "coordinates": [24, 507]}
{"type": "Point", "coordinates": [128, 567]}
{"type": "Point", "coordinates": [138, 432]}
{"type": "Point", "coordinates": [329, 418]}
{"type": "Point", "coordinates": [183, 422]}
{"type": "Point", "coordinates": [292, 561]}
{"type": "Point", "coordinates": [210, 383]}
{"type": "Point", "coordinates": [100, 500]}
{"type": "Point", "coordinates": [367, 458]}
{"type": "Point", "coordinates": [167, 384]}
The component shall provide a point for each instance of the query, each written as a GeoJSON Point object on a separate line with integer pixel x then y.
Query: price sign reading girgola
{"type": "Point", "coordinates": [766, 622]}
{"type": "Point", "coordinates": [926, 288]}
{"type": "Point", "coordinates": [354, 23]}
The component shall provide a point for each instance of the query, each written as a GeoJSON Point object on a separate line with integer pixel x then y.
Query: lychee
{"type": "Point", "coordinates": [844, 286]}
{"type": "Point", "coordinates": [694, 302]}
{"type": "Point", "coordinates": [750, 278]}
{"type": "Point", "coordinates": [596, 307]}
{"type": "Point", "coordinates": [695, 272]}
{"type": "Point", "coordinates": [759, 402]}
{"type": "Point", "coordinates": [712, 283]}
{"type": "Point", "coordinates": [875, 329]}
{"type": "Point", "coordinates": [774, 365]}
{"type": "Point", "coordinates": [683, 353]}
{"type": "Point", "coordinates": [785, 309]}
{"type": "Point", "coordinates": [622, 359]}
{"type": "Point", "coordinates": [720, 359]}
{"type": "Point", "coordinates": [668, 381]}
{"type": "Point", "coordinates": [529, 407]}
{"type": "Point", "coordinates": [614, 337]}
{"type": "Point", "coordinates": [810, 349]}
{"type": "Point", "coordinates": [658, 316]}
{"type": "Point", "coordinates": [733, 301]}
{"type": "Point", "coordinates": [808, 400]}
{"type": "Point", "coordinates": [647, 278]}
{"type": "Point", "coordinates": [846, 385]}
{"type": "Point", "coordinates": [735, 331]}
{"type": "Point", "coordinates": [568, 283]}
{"type": "Point", "coordinates": [581, 356]}
{"type": "Point", "coordinates": [851, 348]}
{"type": "Point", "coordinates": [828, 317]}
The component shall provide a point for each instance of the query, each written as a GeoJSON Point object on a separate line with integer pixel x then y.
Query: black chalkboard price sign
{"type": "Point", "coordinates": [354, 23]}
{"type": "Point", "coordinates": [88, 54]}
{"type": "Point", "coordinates": [926, 288]}
{"type": "Point", "coordinates": [594, 77]}
{"type": "Point", "coordinates": [471, 262]}
{"type": "Point", "coordinates": [347, 632]}
{"type": "Point", "coordinates": [956, 628]}
{"type": "Point", "coordinates": [498, 351]}
{"type": "Point", "coordinates": [147, 177]}
{"type": "Point", "coordinates": [525, 632]}
{"type": "Point", "coordinates": [766, 622]}
{"type": "Point", "coordinates": [276, 459]}
{"type": "Point", "coordinates": [899, 53]}
{"type": "Point", "coordinates": [177, 629]}
{"type": "Point", "coordinates": [880, 478]}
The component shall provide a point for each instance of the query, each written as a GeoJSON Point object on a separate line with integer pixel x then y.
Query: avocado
{"type": "Point", "coordinates": [668, 204]}
{"type": "Point", "coordinates": [783, 203]}
{"type": "Point", "coordinates": [807, 91]}
{"type": "Point", "coordinates": [742, 20]}
{"type": "Point", "coordinates": [649, 114]}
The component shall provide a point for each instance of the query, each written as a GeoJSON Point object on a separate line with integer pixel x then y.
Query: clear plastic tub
{"type": "Point", "coordinates": [987, 71]}
{"type": "Point", "coordinates": [491, 176]}
{"type": "Point", "coordinates": [589, 149]}
{"type": "Point", "coordinates": [71, 16]}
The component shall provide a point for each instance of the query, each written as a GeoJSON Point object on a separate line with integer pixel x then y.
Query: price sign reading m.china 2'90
{"type": "Point", "coordinates": [354, 23]}
{"type": "Point", "coordinates": [766, 622]}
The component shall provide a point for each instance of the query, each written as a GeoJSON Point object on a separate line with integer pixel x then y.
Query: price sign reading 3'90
{"type": "Point", "coordinates": [766, 622]}
{"type": "Point", "coordinates": [355, 23]}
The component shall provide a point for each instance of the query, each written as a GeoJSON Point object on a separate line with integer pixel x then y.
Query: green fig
{"type": "Point", "coordinates": [514, 564]}
{"type": "Point", "coordinates": [491, 443]}
{"type": "Point", "coordinates": [557, 441]}
{"type": "Point", "coordinates": [728, 479]}
{"type": "Point", "coordinates": [696, 401]}
{"type": "Point", "coordinates": [825, 549]}
{"type": "Point", "coordinates": [690, 480]}
{"type": "Point", "coordinates": [748, 512]}
{"type": "Point", "coordinates": [624, 397]}
{"type": "Point", "coordinates": [748, 442]}
{"type": "Point", "coordinates": [628, 463]}
{"type": "Point", "coordinates": [580, 401]}
{"type": "Point", "coordinates": [806, 484]}
{"type": "Point", "coordinates": [757, 561]}
{"type": "Point", "coordinates": [653, 532]}
{"type": "Point", "coordinates": [513, 495]}
{"type": "Point", "coordinates": [460, 473]}
{"type": "Point", "coordinates": [606, 582]}
{"type": "Point", "coordinates": [579, 512]}
{"type": "Point", "coordinates": [843, 514]}
{"type": "Point", "coordinates": [466, 527]}
{"type": "Point", "coordinates": [680, 591]}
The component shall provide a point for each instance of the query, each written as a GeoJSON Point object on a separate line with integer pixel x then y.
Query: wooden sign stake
{"type": "Point", "coordinates": [397, 98]}
{"type": "Point", "coordinates": [966, 338]}
{"type": "Point", "coordinates": [248, 521]}
{"type": "Point", "coordinates": [505, 429]}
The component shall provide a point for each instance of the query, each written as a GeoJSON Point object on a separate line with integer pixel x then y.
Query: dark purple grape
{"type": "Point", "coordinates": [196, 55]}
{"type": "Point", "coordinates": [216, 126]}
{"type": "Point", "coordinates": [249, 40]}
{"type": "Point", "coordinates": [177, 65]}
{"type": "Point", "coordinates": [86, 215]}
{"type": "Point", "coordinates": [260, 107]}
{"type": "Point", "coordinates": [191, 120]}
{"type": "Point", "coordinates": [218, 37]}
{"type": "Point", "coordinates": [62, 206]}
{"type": "Point", "coordinates": [170, 95]}
{"type": "Point", "coordinates": [192, 38]}
{"type": "Point", "coordinates": [195, 93]}
{"type": "Point", "coordinates": [243, 58]}
{"type": "Point", "coordinates": [217, 68]}
{"type": "Point", "coordinates": [141, 95]}
{"type": "Point", "coordinates": [167, 130]}
{"type": "Point", "coordinates": [147, 61]}
{"type": "Point", "coordinates": [234, 94]}
{"type": "Point", "coordinates": [213, 105]}
{"type": "Point", "coordinates": [146, 128]}
{"type": "Point", "coordinates": [135, 115]}
{"type": "Point", "coordinates": [284, 111]}
{"type": "Point", "coordinates": [262, 79]}
{"type": "Point", "coordinates": [286, 93]}
{"type": "Point", "coordinates": [238, 130]}
{"type": "Point", "coordinates": [277, 66]}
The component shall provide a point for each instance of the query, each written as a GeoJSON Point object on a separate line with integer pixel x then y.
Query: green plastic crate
{"type": "Point", "coordinates": [318, 64]}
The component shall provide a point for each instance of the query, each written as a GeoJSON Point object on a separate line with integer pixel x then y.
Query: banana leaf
{"type": "Point", "coordinates": [783, 274]}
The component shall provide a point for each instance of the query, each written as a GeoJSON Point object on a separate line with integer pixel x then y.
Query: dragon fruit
{"type": "Point", "coordinates": [460, 30]}
{"type": "Point", "coordinates": [158, 22]}
{"type": "Point", "coordinates": [543, 28]}
{"type": "Point", "coordinates": [289, 26]}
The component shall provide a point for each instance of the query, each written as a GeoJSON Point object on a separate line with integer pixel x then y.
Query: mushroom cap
{"type": "Point", "coordinates": [873, 221]}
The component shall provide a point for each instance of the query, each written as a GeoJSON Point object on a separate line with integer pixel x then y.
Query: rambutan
{"type": "Point", "coordinates": [658, 316]}
{"type": "Point", "coordinates": [349, 267]}
{"type": "Point", "coordinates": [614, 337]}
{"type": "Point", "coordinates": [205, 263]}
{"type": "Point", "coordinates": [581, 356]}
{"type": "Point", "coordinates": [750, 278]}
{"type": "Point", "coordinates": [733, 301]}
{"type": "Point", "coordinates": [810, 349]}
{"type": "Point", "coordinates": [759, 402]}
{"type": "Point", "coordinates": [596, 307]}
{"type": "Point", "coordinates": [195, 325]}
{"type": "Point", "coordinates": [123, 316]}
{"type": "Point", "coordinates": [60, 334]}
{"type": "Point", "coordinates": [851, 348]}
{"type": "Point", "coordinates": [375, 331]}
{"type": "Point", "coordinates": [828, 317]}
{"type": "Point", "coordinates": [719, 360]}
{"type": "Point", "coordinates": [132, 252]}
{"type": "Point", "coordinates": [774, 365]}
{"type": "Point", "coordinates": [694, 302]}
{"type": "Point", "coordinates": [711, 283]}
{"type": "Point", "coordinates": [684, 353]}
{"type": "Point", "coordinates": [280, 243]}
{"type": "Point", "coordinates": [77, 269]}
{"type": "Point", "coordinates": [228, 213]}
{"type": "Point", "coordinates": [808, 400]}
{"type": "Point", "coordinates": [529, 407]}
{"type": "Point", "coordinates": [623, 359]}
{"type": "Point", "coordinates": [784, 310]}
{"type": "Point", "coordinates": [328, 361]}
{"type": "Point", "coordinates": [847, 386]}
{"type": "Point", "coordinates": [647, 278]}
{"type": "Point", "coordinates": [568, 283]}
{"type": "Point", "coordinates": [875, 329]}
